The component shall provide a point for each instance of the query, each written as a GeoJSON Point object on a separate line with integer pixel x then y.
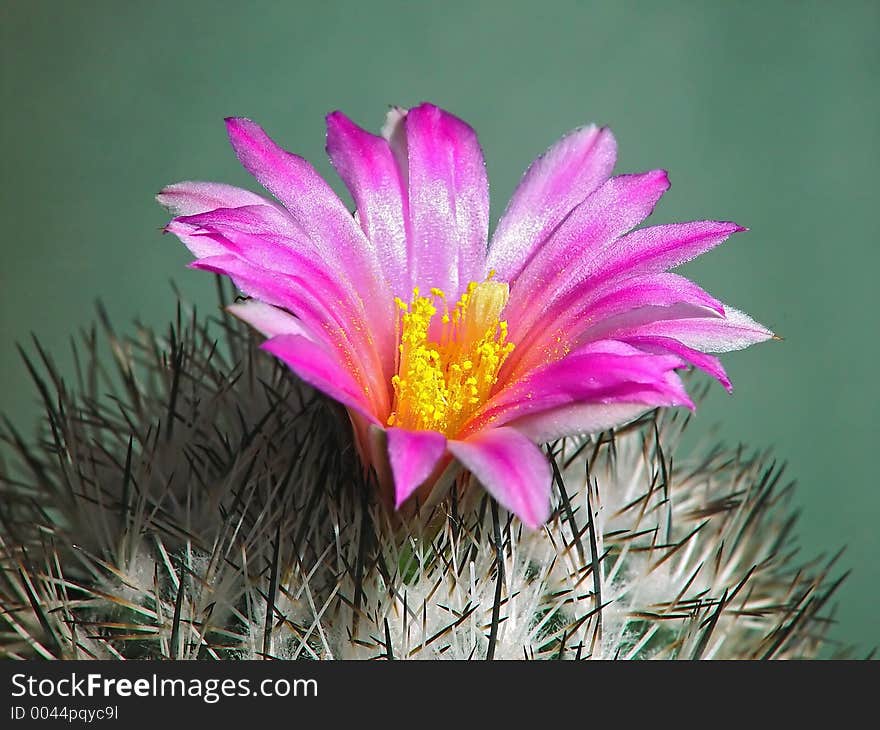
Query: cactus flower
{"type": "Point", "coordinates": [449, 348]}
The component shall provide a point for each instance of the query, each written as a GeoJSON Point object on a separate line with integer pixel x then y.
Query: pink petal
{"type": "Point", "coordinates": [268, 320]}
{"type": "Point", "coordinates": [512, 469]}
{"type": "Point", "coordinates": [267, 240]}
{"type": "Point", "coordinates": [617, 206]}
{"type": "Point", "coordinates": [578, 418]}
{"type": "Point", "coordinates": [367, 166]}
{"type": "Point", "coordinates": [321, 370]}
{"type": "Point", "coordinates": [707, 363]}
{"type": "Point", "coordinates": [448, 200]}
{"type": "Point", "coordinates": [555, 183]}
{"type": "Point", "coordinates": [258, 233]}
{"type": "Point", "coordinates": [246, 233]}
{"type": "Point", "coordinates": [413, 456]}
{"type": "Point", "coordinates": [658, 248]}
{"type": "Point", "coordinates": [636, 257]}
{"type": "Point", "coordinates": [321, 214]}
{"type": "Point", "coordinates": [258, 269]}
{"type": "Point", "coordinates": [263, 219]}
{"type": "Point", "coordinates": [655, 290]}
{"type": "Point", "coordinates": [296, 294]}
{"type": "Point", "coordinates": [601, 373]}
{"type": "Point", "coordinates": [735, 331]}
{"type": "Point", "coordinates": [190, 198]}
{"type": "Point", "coordinates": [567, 317]}
{"type": "Point", "coordinates": [275, 288]}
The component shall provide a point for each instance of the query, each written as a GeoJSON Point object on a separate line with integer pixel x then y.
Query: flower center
{"type": "Point", "coordinates": [446, 369]}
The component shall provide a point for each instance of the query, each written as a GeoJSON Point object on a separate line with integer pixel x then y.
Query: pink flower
{"type": "Point", "coordinates": [444, 346]}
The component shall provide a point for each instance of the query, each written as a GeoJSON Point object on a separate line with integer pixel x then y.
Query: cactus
{"type": "Point", "coordinates": [196, 501]}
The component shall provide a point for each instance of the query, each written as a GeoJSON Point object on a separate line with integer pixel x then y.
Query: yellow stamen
{"type": "Point", "coordinates": [441, 382]}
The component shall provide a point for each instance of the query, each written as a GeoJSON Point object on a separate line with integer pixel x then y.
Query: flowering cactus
{"type": "Point", "coordinates": [213, 506]}
{"type": "Point", "coordinates": [218, 506]}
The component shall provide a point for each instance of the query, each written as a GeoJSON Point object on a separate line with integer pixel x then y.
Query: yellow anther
{"type": "Point", "coordinates": [445, 376]}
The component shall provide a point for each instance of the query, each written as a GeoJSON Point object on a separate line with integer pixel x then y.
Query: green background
{"type": "Point", "coordinates": [766, 113]}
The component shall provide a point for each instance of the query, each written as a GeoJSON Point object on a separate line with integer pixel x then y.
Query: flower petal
{"type": "Point", "coordinates": [192, 197]}
{"type": "Point", "coordinates": [256, 232]}
{"type": "Point", "coordinates": [258, 269]}
{"type": "Point", "coordinates": [601, 373]}
{"type": "Point", "coordinates": [658, 248]}
{"type": "Point", "coordinates": [269, 240]}
{"type": "Point", "coordinates": [448, 200]}
{"type": "Point", "coordinates": [277, 289]}
{"type": "Point", "coordinates": [735, 331]}
{"type": "Point", "coordinates": [321, 214]}
{"type": "Point", "coordinates": [512, 469]}
{"type": "Point", "coordinates": [266, 239]}
{"type": "Point", "coordinates": [321, 370]}
{"type": "Point", "coordinates": [555, 183]}
{"type": "Point", "coordinates": [367, 166]}
{"type": "Point", "coordinates": [271, 247]}
{"type": "Point", "coordinates": [563, 322]}
{"type": "Point", "coordinates": [653, 290]}
{"type": "Point", "coordinates": [663, 345]}
{"type": "Point", "coordinates": [268, 320]}
{"type": "Point", "coordinates": [578, 418]}
{"type": "Point", "coordinates": [413, 456]}
{"type": "Point", "coordinates": [616, 207]}
{"type": "Point", "coordinates": [297, 294]}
